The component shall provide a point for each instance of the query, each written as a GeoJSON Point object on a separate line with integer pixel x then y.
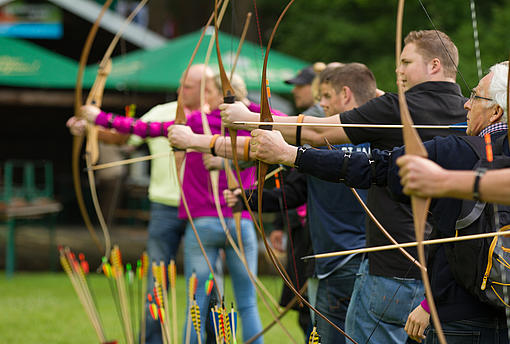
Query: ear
{"type": "Point", "coordinates": [347, 94]}
{"type": "Point", "coordinates": [497, 113]}
{"type": "Point", "coordinates": [434, 66]}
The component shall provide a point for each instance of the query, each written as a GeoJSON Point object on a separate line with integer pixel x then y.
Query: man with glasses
{"type": "Point", "coordinates": [424, 178]}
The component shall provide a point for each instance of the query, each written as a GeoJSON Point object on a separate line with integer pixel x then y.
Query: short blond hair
{"type": "Point", "coordinates": [433, 44]}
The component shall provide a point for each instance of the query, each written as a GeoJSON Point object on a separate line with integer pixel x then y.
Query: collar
{"type": "Point", "coordinates": [493, 128]}
{"type": "Point", "coordinates": [436, 86]}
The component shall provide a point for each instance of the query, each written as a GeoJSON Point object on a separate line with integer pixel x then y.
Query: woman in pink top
{"type": "Point", "coordinates": [197, 188]}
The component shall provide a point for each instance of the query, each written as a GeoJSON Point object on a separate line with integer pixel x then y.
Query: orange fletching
{"type": "Point", "coordinates": [488, 147]}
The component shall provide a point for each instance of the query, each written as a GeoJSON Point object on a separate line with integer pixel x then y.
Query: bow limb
{"type": "Point", "coordinates": [92, 151]}
{"type": "Point", "coordinates": [95, 97]}
{"type": "Point", "coordinates": [92, 148]}
{"type": "Point", "coordinates": [420, 206]}
{"type": "Point", "coordinates": [78, 140]}
{"type": "Point", "coordinates": [265, 116]}
{"type": "Point", "coordinates": [96, 92]}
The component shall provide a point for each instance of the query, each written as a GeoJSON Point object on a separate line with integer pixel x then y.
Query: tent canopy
{"type": "Point", "coordinates": [25, 64]}
{"type": "Point", "coordinates": [160, 69]}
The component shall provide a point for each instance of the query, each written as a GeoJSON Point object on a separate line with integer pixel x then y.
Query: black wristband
{"type": "Point", "coordinates": [476, 185]}
{"type": "Point", "coordinates": [300, 119]}
{"type": "Point", "coordinates": [298, 135]}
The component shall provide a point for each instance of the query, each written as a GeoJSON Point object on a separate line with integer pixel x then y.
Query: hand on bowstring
{"type": "Point", "coordinates": [417, 322]}
{"type": "Point", "coordinates": [232, 197]}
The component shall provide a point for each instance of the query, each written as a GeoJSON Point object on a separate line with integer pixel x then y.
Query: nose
{"type": "Point", "coordinates": [467, 104]}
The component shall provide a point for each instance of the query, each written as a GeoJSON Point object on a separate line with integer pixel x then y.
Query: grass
{"type": "Point", "coordinates": [43, 308]}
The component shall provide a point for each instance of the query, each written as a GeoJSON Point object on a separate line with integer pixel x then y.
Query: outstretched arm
{"type": "Point", "coordinates": [78, 126]}
{"type": "Point", "coordinates": [355, 169]}
{"type": "Point", "coordinates": [314, 136]}
{"type": "Point", "coordinates": [423, 177]}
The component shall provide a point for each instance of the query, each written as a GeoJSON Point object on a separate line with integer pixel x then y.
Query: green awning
{"type": "Point", "coordinates": [160, 69]}
{"type": "Point", "coordinates": [25, 64]}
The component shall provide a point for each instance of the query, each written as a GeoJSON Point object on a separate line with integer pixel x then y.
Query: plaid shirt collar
{"type": "Point", "coordinates": [493, 128]}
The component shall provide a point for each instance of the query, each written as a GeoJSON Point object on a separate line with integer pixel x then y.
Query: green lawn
{"type": "Point", "coordinates": [43, 308]}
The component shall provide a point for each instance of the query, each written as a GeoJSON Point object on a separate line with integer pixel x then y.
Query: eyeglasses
{"type": "Point", "coordinates": [474, 96]}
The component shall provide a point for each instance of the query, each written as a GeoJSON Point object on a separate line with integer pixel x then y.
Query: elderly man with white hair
{"type": "Point", "coordinates": [423, 177]}
{"type": "Point", "coordinates": [464, 317]}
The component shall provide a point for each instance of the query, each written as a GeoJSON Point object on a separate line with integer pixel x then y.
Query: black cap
{"type": "Point", "coordinates": [304, 77]}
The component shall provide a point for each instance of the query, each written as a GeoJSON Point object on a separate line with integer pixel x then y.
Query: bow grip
{"type": "Point", "coordinates": [175, 149]}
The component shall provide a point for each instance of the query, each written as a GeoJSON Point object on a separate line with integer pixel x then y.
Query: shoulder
{"type": "Point", "coordinates": [161, 112]}
{"type": "Point", "coordinates": [314, 110]}
{"type": "Point", "coordinates": [376, 110]}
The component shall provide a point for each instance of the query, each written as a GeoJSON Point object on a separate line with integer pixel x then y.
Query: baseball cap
{"type": "Point", "coordinates": [304, 77]}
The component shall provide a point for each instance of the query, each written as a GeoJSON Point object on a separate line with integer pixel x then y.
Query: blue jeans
{"type": "Point", "coordinates": [213, 238]}
{"type": "Point", "coordinates": [380, 306]}
{"type": "Point", "coordinates": [165, 233]}
{"type": "Point", "coordinates": [473, 331]}
{"type": "Point", "coordinates": [333, 296]}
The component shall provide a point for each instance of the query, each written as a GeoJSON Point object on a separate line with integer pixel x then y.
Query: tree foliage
{"type": "Point", "coordinates": [364, 31]}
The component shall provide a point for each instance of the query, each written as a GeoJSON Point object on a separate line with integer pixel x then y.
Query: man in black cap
{"type": "Point", "coordinates": [302, 91]}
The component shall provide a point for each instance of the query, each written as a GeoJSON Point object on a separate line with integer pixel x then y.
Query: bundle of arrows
{"type": "Point", "coordinates": [224, 324]}
{"type": "Point", "coordinates": [159, 303]}
{"type": "Point", "coordinates": [128, 287]}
